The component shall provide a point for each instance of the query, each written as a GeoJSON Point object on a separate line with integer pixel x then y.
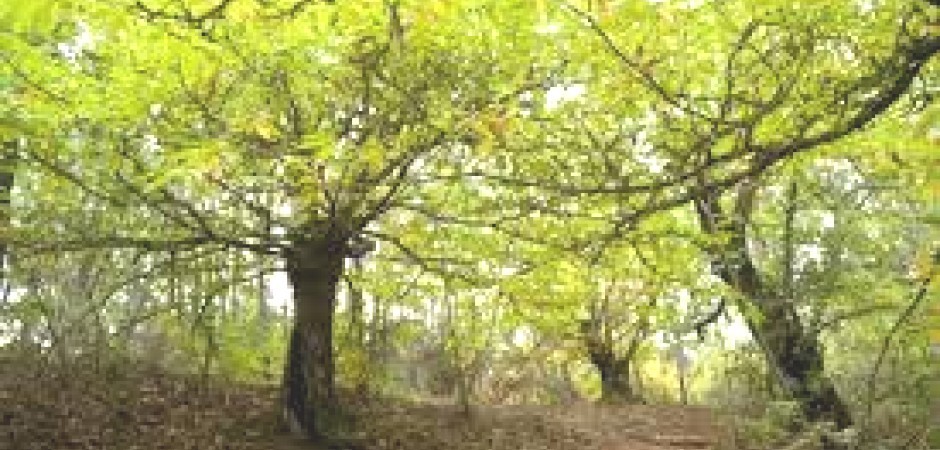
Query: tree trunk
{"type": "Point", "coordinates": [314, 269]}
{"type": "Point", "coordinates": [796, 356]}
{"type": "Point", "coordinates": [615, 380]}
{"type": "Point", "coordinates": [791, 350]}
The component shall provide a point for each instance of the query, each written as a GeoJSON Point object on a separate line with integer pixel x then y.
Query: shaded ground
{"type": "Point", "coordinates": [79, 407]}
{"type": "Point", "coordinates": [581, 426]}
{"type": "Point", "coordinates": [646, 427]}
{"type": "Point", "coordinates": [84, 408]}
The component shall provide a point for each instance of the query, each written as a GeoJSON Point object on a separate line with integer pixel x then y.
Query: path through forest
{"type": "Point", "coordinates": [645, 427]}
{"type": "Point", "coordinates": [42, 409]}
{"type": "Point", "coordinates": [578, 426]}
{"type": "Point", "coordinates": [574, 427]}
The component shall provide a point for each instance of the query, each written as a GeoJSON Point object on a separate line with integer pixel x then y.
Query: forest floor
{"type": "Point", "coordinates": [132, 409]}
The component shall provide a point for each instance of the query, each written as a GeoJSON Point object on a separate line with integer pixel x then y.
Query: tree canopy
{"type": "Point", "coordinates": [590, 178]}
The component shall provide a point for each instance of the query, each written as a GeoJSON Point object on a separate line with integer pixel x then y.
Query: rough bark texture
{"type": "Point", "coordinates": [797, 357]}
{"type": "Point", "coordinates": [614, 369]}
{"type": "Point", "coordinates": [314, 269]}
{"type": "Point", "coordinates": [792, 350]}
{"type": "Point", "coordinates": [615, 381]}
{"type": "Point", "coordinates": [612, 361]}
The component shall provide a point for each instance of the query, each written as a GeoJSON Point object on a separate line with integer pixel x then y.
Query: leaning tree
{"type": "Point", "coordinates": [736, 88]}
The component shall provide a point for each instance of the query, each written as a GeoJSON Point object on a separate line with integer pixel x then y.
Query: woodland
{"type": "Point", "coordinates": [469, 224]}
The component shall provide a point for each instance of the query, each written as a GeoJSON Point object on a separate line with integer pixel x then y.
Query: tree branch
{"type": "Point", "coordinates": [889, 338]}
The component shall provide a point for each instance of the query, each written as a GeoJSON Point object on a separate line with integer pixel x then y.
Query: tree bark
{"type": "Point", "coordinates": [791, 349]}
{"type": "Point", "coordinates": [615, 381]}
{"type": "Point", "coordinates": [797, 358]}
{"type": "Point", "coordinates": [613, 366]}
{"type": "Point", "coordinates": [314, 269]}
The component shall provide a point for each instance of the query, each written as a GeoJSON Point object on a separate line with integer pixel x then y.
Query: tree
{"type": "Point", "coordinates": [307, 131]}
{"type": "Point", "coordinates": [779, 95]}
{"type": "Point", "coordinates": [612, 363]}
{"type": "Point", "coordinates": [208, 123]}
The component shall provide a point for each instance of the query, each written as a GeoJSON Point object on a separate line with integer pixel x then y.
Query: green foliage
{"type": "Point", "coordinates": [513, 163]}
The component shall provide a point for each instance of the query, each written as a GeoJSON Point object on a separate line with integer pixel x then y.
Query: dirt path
{"type": "Point", "coordinates": [572, 427]}
{"type": "Point", "coordinates": [645, 427]}
{"type": "Point", "coordinates": [286, 442]}
{"type": "Point", "coordinates": [43, 410]}
{"type": "Point", "coordinates": [577, 427]}
{"type": "Point", "coordinates": [632, 427]}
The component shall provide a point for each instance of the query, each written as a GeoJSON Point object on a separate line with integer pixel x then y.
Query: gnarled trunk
{"type": "Point", "coordinates": [797, 357]}
{"type": "Point", "coordinates": [314, 269]}
{"type": "Point", "coordinates": [791, 349]}
{"type": "Point", "coordinates": [615, 381]}
{"type": "Point", "coordinates": [597, 331]}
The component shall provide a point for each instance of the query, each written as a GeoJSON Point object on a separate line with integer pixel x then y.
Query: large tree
{"type": "Point", "coordinates": [284, 129]}
{"type": "Point", "coordinates": [769, 82]}
{"type": "Point", "coordinates": [304, 130]}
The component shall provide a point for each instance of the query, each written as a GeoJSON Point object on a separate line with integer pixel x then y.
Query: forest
{"type": "Point", "coordinates": [469, 224]}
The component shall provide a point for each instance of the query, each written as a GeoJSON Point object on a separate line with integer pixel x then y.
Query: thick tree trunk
{"type": "Point", "coordinates": [791, 350]}
{"type": "Point", "coordinates": [798, 359]}
{"type": "Point", "coordinates": [615, 384]}
{"type": "Point", "coordinates": [314, 269]}
{"type": "Point", "coordinates": [615, 379]}
{"type": "Point", "coordinates": [614, 368]}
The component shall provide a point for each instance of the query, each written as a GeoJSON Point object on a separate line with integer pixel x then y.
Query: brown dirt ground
{"type": "Point", "coordinates": [50, 409]}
